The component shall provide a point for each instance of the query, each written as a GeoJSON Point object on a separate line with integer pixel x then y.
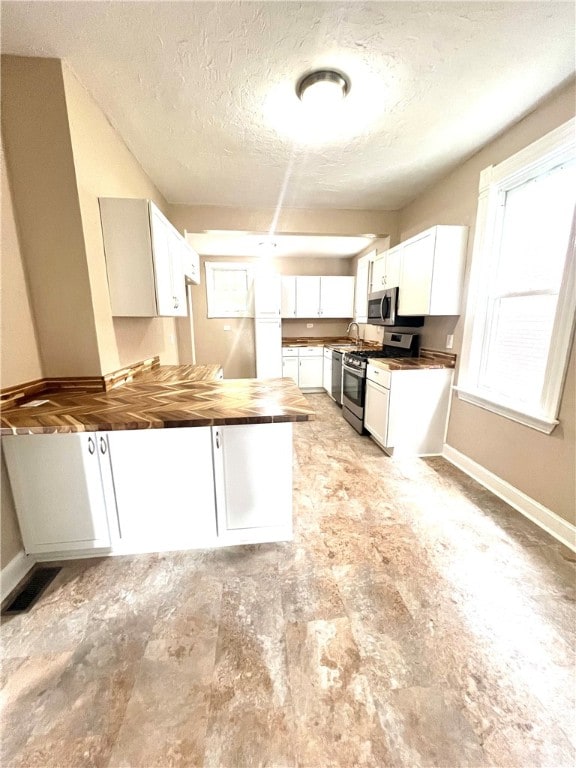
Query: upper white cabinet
{"type": "Point", "coordinates": [432, 277]}
{"type": "Point", "coordinates": [310, 296]}
{"type": "Point", "coordinates": [190, 263]}
{"type": "Point", "coordinates": [336, 296]}
{"type": "Point", "coordinates": [361, 289]}
{"type": "Point", "coordinates": [59, 485]}
{"type": "Point", "coordinates": [267, 294]}
{"type": "Point", "coordinates": [288, 297]}
{"type": "Point", "coordinates": [386, 269]}
{"type": "Point", "coordinates": [144, 259]}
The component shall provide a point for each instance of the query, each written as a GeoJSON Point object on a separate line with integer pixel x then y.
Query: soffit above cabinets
{"type": "Point", "coordinates": [254, 244]}
{"type": "Point", "coordinates": [203, 93]}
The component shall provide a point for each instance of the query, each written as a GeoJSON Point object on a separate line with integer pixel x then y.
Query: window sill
{"type": "Point", "coordinates": [538, 422]}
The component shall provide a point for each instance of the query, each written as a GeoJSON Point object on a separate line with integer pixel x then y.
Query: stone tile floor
{"type": "Point", "coordinates": [415, 620]}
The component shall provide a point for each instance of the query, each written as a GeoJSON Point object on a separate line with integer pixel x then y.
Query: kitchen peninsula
{"type": "Point", "coordinates": [164, 461]}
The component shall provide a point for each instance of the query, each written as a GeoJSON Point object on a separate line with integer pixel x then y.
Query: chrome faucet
{"type": "Point", "coordinates": [357, 342]}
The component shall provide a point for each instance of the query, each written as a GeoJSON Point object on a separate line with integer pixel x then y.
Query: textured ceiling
{"type": "Point", "coordinates": [203, 92]}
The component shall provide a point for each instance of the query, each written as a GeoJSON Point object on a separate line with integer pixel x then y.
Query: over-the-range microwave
{"type": "Point", "coordinates": [382, 310]}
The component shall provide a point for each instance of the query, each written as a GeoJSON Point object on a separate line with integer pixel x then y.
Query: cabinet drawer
{"type": "Point", "coordinates": [379, 375]}
{"type": "Point", "coordinates": [311, 351]}
{"type": "Point", "coordinates": [289, 351]}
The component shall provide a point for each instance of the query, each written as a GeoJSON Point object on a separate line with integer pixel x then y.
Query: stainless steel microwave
{"type": "Point", "coordinates": [382, 307]}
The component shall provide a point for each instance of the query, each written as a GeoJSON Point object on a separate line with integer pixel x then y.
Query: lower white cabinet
{"type": "Point", "coordinates": [59, 483]}
{"type": "Point", "coordinates": [151, 490]}
{"type": "Point", "coordinates": [164, 486]}
{"type": "Point", "coordinates": [253, 475]}
{"type": "Point", "coordinates": [406, 412]}
{"type": "Point", "coordinates": [290, 368]}
{"type": "Point", "coordinates": [311, 371]}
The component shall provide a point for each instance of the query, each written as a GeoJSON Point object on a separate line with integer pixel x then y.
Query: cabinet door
{"type": "Point", "coordinates": [327, 372]}
{"type": "Point", "coordinates": [310, 372]}
{"type": "Point", "coordinates": [268, 349]}
{"type": "Point", "coordinates": [161, 250]}
{"type": "Point", "coordinates": [255, 487]}
{"type": "Point", "coordinates": [164, 484]}
{"type": "Point", "coordinates": [361, 290]}
{"type": "Point", "coordinates": [178, 280]}
{"type": "Point", "coordinates": [378, 274]}
{"type": "Point", "coordinates": [376, 411]}
{"type": "Point", "coordinates": [290, 368]}
{"type": "Point", "coordinates": [308, 296]}
{"type": "Point", "coordinates": [393, 262]}
{"type": "Point", "coordinates": [288, 297]}
{"type": "Point", "coordinates": [267, 294]}
{"type": "Point", "coordinates": [336, 296]}
{"type": "Point", "coordinates": [191, 263]}
{"type": "Point", "coordinates": [416, 279]}
{"type": "Point", "coordinates": [58, 491]}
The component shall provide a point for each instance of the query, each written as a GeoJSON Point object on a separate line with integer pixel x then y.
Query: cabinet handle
{"type": "Point", "coordinates": [217, 439]}
{"type": "Point", "coordinates": [102, 446]}
{"type": "Point", "coordinates": [91, 446]}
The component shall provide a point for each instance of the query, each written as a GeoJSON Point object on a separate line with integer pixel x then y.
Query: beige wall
{"type": "Point", "coordinates": [105, 167]}
{"type": "Point", "coordinates": [40, 165]}
{"type": "Point", "coordinates": [19, 354]}
{"type": "Point", "coordinates": [542, 466]}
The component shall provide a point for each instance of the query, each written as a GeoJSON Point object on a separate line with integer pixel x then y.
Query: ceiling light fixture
{"type": "Point", "coordinates": [322, 87]}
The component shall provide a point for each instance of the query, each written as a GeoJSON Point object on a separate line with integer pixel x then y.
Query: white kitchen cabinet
{"type": "Point", "coordinates": [433, 265]}
{"type": "Point", "coordinates": [308, 296]}
{"type": "Point", "coordinates": [59, 483]}
{"type": "Point", "coordinates": [327, 371]}
{"type": "Point", "coordinates": [268, 335]}
{"type": "Point", "coordinates": [144, 259]}
{"type": "Point", "coordinates": [164, 486]}
{"type": "Point", "coordinates": [336, 296]}
{"type": "Point", "coordinates": [361, 289]}
{"type": "Point", "coordinates": [386, 269]}
{"type": "Point", "coordinates": [190, 262]}
{"type": "Point", "coordinates": [253, 475]}
{"type": "Point", "coordinates": [267, 294]}
{"type": "Point", "coordinates": [406, 412]}
{"type": "Point", "coordinates": [311, 372]}
{"type": "Point", "coordinates": [290, 368]}
{"type": "Point", "coordinates": [288, 296]}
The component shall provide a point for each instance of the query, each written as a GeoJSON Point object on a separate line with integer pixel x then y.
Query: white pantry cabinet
{"type": "Point", "coordinates": [253, 476]}
{"type": "Point", "coordinates": [267, 294]}
{"type": "Point", "coordinates": [60, 485]}
{"type": "Point", "coordinates": [164, 485]}
{"type": "Point", "coordinates": [406, 412]}
{"type": "Point", "coordinates": [432, 278]}
{"type": "Point", "coordinates": [268, 335]}
{"type": "Point", "coordinates": [144, 259]}
{"type": "Point", "coordinates": [386, 269]}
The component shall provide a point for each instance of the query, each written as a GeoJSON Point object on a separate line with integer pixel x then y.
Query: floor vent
{"type": "Point", "coordinates": [31, 590]}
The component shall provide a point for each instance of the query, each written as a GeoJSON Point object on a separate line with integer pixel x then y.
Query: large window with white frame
{"type": "Point", "coordinates": [522, 294]}
{"type": "Point", "coordinates": [229, 289]}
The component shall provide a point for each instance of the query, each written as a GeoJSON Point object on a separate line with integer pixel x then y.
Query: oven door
{"type": "Point", "coordinates": [353, 390]}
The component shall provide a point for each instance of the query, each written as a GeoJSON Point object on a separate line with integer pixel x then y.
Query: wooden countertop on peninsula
{"type": "Point", "coordinates": [164, 397]}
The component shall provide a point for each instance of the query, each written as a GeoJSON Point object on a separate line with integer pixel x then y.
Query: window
{"type": "Point", "coordinates": [229, 289]}
{"type": "Point", "coordinates": [522, 293]}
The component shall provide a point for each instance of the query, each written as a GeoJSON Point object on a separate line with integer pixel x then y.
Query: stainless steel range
{"type": "Point", "coordinates": [354, 373]}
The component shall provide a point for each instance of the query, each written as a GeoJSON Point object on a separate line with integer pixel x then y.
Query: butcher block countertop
{"type": "Point", "coordinates": [428, 359]}
{"type": "Point", "coordinates": [164, 397]}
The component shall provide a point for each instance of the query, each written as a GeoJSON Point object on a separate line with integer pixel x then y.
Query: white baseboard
{"type": "Point", "coordinates": [548, 520]}
{"type": "Point", "coordinates": [14, 572]}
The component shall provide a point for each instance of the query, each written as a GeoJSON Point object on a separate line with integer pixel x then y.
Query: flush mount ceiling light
{"type": "Point", "coordinates": [322, 87]}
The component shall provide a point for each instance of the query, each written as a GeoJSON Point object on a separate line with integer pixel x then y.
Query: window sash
{"type": "Point", "coordinates": [229, 289]}
{"type": "Point", "coordinates": [542, 157]}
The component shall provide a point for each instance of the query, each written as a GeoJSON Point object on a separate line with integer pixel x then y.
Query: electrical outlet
{"type": "Point", "coordinates": [309, 325]}
{"type": "Point", "coordinates": [449, 341]}
{"type": "Point", "coordinates": [227, 327]}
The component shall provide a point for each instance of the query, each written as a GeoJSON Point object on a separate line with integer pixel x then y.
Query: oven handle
{"type": "Point", "coordinates": [358, 372]}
